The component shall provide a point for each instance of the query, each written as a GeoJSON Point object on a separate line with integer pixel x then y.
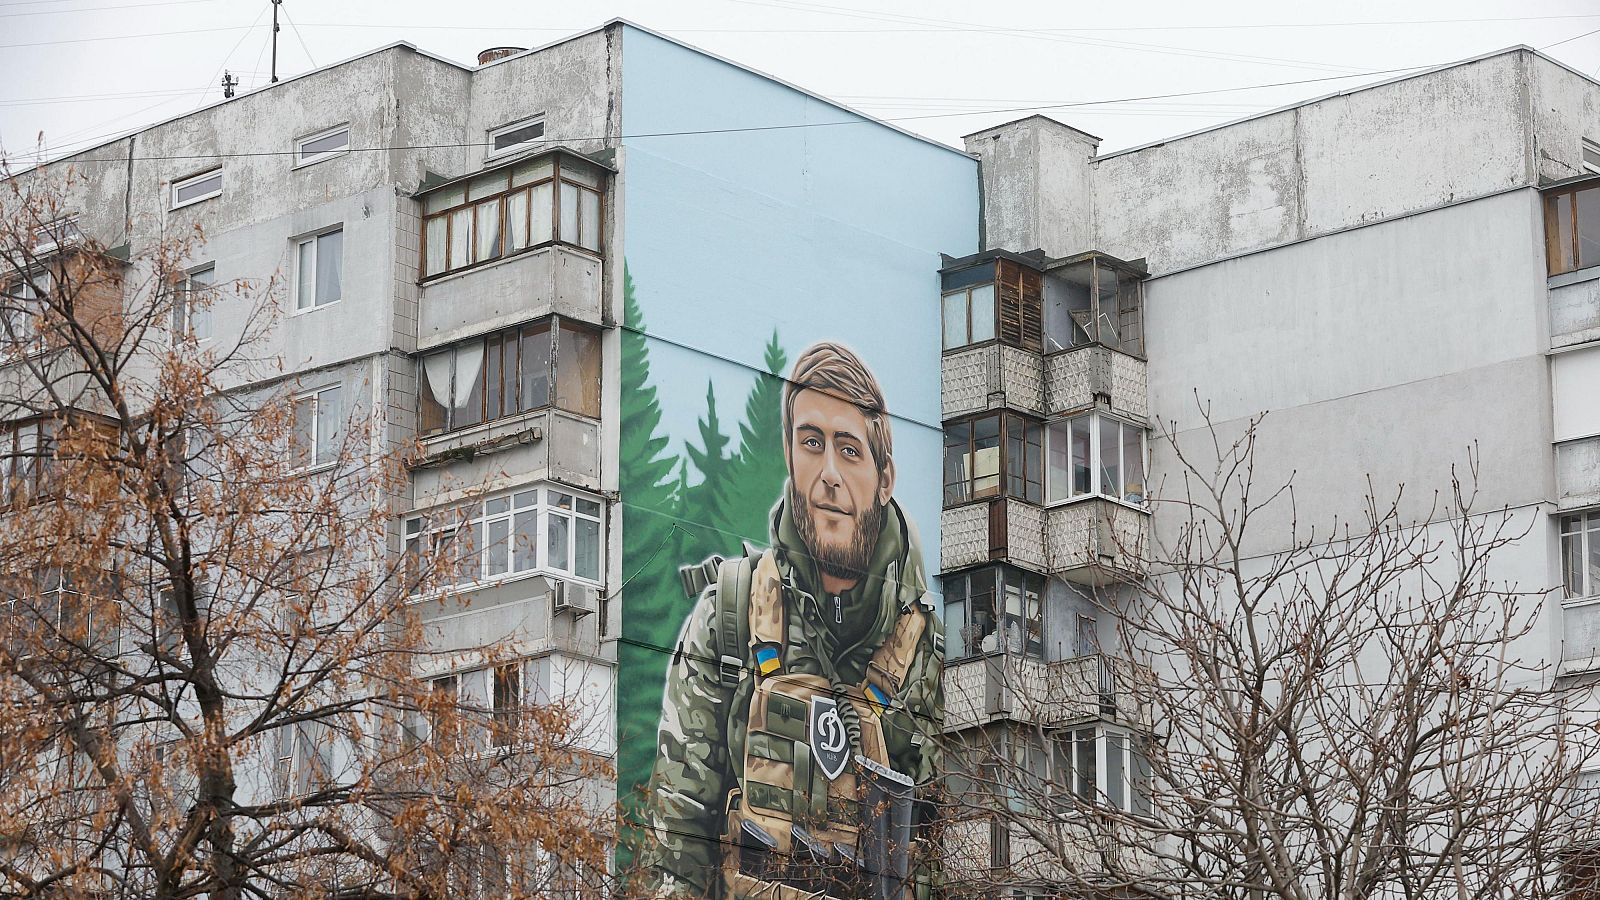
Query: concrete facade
{"type": "Point", "coordinates": [1365, 270]}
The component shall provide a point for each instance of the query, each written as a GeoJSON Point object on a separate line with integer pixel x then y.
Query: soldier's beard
{"type": "Point", "coordinates": [846, 558]}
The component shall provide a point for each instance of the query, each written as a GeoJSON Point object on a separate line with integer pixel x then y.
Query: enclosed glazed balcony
{"type": "Point", "coordinates": [1008, 686]}
{"type": "Point", "coordinates": [517, 241]}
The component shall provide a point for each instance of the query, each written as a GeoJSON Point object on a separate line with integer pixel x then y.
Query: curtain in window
{"type": "Point", "coordinates": [467, 400]}
{"type": "Point", "coordinates": [330, 266]}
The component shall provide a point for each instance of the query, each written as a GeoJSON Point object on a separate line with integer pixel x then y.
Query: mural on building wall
{"type": "Point", "coordinates": [778, 710]}
{"type": "Point", "coordinates": [795, 721]}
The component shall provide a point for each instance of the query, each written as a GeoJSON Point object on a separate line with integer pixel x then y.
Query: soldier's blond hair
{"type": "Point", "coordinates": [836, 371]}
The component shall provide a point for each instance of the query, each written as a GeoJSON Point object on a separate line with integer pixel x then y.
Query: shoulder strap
{"type": "Point", "coordinates": [886, 671]}
{"type": "Point", "coordinates": [733, 635]}
{"type": "Point", "coordinates": [766, 616]}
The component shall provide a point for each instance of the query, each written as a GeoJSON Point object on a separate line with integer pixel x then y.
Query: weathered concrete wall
{"type": "Point", "coordinates": [1036, 191]}
{"type": "Point", "coordinates": [1566, 109]}
{"type": "Point", "coordinates": [1371, 154]}
{"type": "Point", "coordinates": [1385, 351]}
{"type": "Point", "coordinates": [510, 291]}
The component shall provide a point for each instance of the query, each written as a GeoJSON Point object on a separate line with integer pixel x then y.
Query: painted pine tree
{"type": "Point", "coordinates": [654, 604]}
{"type": "Point", "coordinates": [757, 472]}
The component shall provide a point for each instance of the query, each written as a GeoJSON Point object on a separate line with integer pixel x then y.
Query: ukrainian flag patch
{"type": "Point", "coordinates": [767, 659]}
{"type": "Point", "coordinates": [879, 698]}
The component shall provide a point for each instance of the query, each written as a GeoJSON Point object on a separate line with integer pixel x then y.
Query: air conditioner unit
{"type": "Point", "coordinates": [572, 598]}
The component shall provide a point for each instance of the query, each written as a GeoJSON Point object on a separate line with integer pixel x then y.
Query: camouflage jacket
{"type": "Point", "coordinates": [704, 717]}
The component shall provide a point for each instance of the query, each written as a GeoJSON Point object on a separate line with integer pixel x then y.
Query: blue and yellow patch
{"type": "Point", "coordinates": [879, 699]}
{"type": "Point", "coordinates": [768, 659]}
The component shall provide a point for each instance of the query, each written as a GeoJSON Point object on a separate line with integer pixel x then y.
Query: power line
{"type": "Point", "coordinates": [57, 12]}
{"type": "Point", "coordinates": [761, 128]}
{"type": "Point", "coordinates": [123, 37]}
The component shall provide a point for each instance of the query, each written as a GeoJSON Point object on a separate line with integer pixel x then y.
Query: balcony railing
{"type": "Point", "coordinates": [1051, 694]}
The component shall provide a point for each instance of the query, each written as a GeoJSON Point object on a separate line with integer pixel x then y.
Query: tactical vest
{"type": "Point", "coordinates": [818, 812]}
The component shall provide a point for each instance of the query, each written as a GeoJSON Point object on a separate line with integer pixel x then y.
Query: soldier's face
{"type": "Point", "coordinates": [838, 489]}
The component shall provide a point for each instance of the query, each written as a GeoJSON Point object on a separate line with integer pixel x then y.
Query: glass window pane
{"type": "Point", "coordinates": [1572, 564]}
{"type": "Point", "coordinates": [1141, 781]}
{"type": "Point", "coordinates": [1110, 457]}
{"type": "Point", "coordinates": [436, 243]}
{"type": "Point", "coordinates": [306, 275]}
{"type": "Point", "coordinates": [524, 541]}
{"type": "Point", "coordinates": [433, 396]}
{"type": "Point", "coordinates": [1115, 748]}
{"type": "Point", "coordinates": [1033, 465]}
{"type": "Point", "coordinates": [483, 186]}
{"type": "Point", "coordinates": [469, 551]}
{"type": "Point", "coordinates": [486, 227]}
{"type": "Point", "coordinates": [517, 220]}
{"type": "Point", "coordinates": [532, 170]}
{"type": "Point", "coordinates": [330, 425]}
{"type": "Point", "coordinates": [330, 266]}
{"type": "Point", "coordinates": [522, 134]}
{"type": "Point", "coordinates": [1592, 585]}
{"type": "Point", "coordinates": [1084, 764]}
{"type": "Point", "coordinates": [982, 313]}
{"type": "Point", "coordinates": [1132, 463]}
{"type": "Point", "coordinates": [1107, 318]}
{"type": "Point", "coordinates": [441, 200]}
{"type": "Point", "coordinates": [492, 407]}
{"type": "Point", "coordinates": [578, 372]}
{"type": "Point", "coordinates": [1082, 474]}
{"type": "Point", "coordinates": [557, 545]}
{"type": "Point", "coordinates": [497, 555]}
{"type": "Point", "coordinates": [568, 228]}
{"type": "Point", "coordinates": [1588, 220]}
{"type": "Point", "coordinates": [588, 507]}
{"type": "Point", "coordinates": [957, 476]}
{"type": "Point", "coordinates": [539, 212]}
{"type": "Point", "coordinates": [578, 173]}
{"type": "Point", "coordinates": [468, 395]}
{"type": "Point", "coordinates": [586, 549]}
{"type": "Point", "coordinates": [1558, 233]}
{"type": "Point", "coordinates": [304, 429]}
{"type": "Point", "coordinates": [589, 220]}
{"type": "Point", "coordinates": [1016, 455]}
{"type": "Point", "coordinates": [955, 614]}
{"type": "Point", "coordinates": [986, 457]}
{"type": "Point", "coordinates": [955, 319]}
{"type": "Point", "coordinates": [526, 499]}
{"type": "Point", "coordinates": [535, 367]}
{"type": "Point", "coordinates": [1058, 475]}
{"type": "Point", "coordinates": [461, 237]}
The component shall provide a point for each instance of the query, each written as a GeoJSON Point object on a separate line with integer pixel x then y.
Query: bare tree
{"type": "Point", "coordinates": [211, 645]}
{"type": "Point", "coordinates": [1355, 712]}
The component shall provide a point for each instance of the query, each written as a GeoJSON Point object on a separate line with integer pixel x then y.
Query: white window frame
{"type": "Point", "coordinates": [475, 695]}
{"type": "Point", "coordinates": [1589, 155]}
{"type": "Point", "coordinates": [313, 240]}
{"type": "Point", "coordinates": [317, 417]}
{"type": "Point", "coordinates": [181, 183]}
{"type": "Point", "coordinates": [183, 309]}
{"type": "Point", "coordinates": [967, 294]}
{"type": "Point", "coordinates": [434, 530]}
{"type": "Point", "coordinates": [1583, 528]}
{"type": "Point", "coordinates": [491, 152]}
{"type": "Point", "coordinates": [1102, 734]}
{"type": "Point", "coordinates": [1061, 426]}
{"type": "Point", "coordinates": [61, 233]}
{"type": "Point", "coordinates": [301, 159]}
{"type": "Point", "coordinates": [28, 289]}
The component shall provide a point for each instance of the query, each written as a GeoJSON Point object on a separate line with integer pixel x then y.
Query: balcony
{"type": "Point", "coordinates": [989, 850]}
{"type": "Point", "coordinates": [1079, 379]}
{"type": "Point", "coordinates": [1097, 541]}
{"type": "Point", "coordinates": [1578, 473]}
{"type": "Point", "coordinates": [551, 279]}
{"type": "Point", "coordinates": [1001, 687]}
{"type": "Point", "coordinates": [992, 377]}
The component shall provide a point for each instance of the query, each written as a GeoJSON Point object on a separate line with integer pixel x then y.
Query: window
{"type": "Point", "coordinates": [322, 145]}
{"type": "Point", "coordinates": [993, 609]}
{"type": "Point", "coordinates": [1103, 766]}
{"type": "Point", "coordinates": [1580, 554]}
{"type": "Point", "coordinates": [305, 758]}
{"type": "Point", "coordinates": [196, 188]}
{"type": "Point", "coordinates": [27, 460]}
{"type": "Point", "coordinates": [1590, 152]}
{"type": "Point", "coordinates": [534, 530]}
{"type": "Point", "coordinates": [969, 316]}
{"type": "Point", "coordinates": [550, 198]}
{"type": "Point", "coordinates": [21, 308]}
{"type": "Point", "coordinates": [318, 427]}
{"type": "Point", "coordinates": [1095, 455]}
{"type": "Point", "coordinates": [510, 372]}
{"type": "Point", "coordinates": [57, 234]}
{"type": "Point", "coordinates": [191, 306]}
{"type": "Point", "coordinates": [1093, 302]}
{"type": "Point", "coordinates": [319, 267]}
{"type": "Point", "coordinates": [476, 709]}
{"type": "Point", "coordinates": [516, 136]}
{"type": "Point", "coordinates": [1572, 228]}
{"type": "Point", "coordinates": [993, 455]}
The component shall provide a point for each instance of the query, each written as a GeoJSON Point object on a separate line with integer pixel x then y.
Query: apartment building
{"type": "Point", "coordinates": [548, 270]}
{"type": "Point", "coordinates": [1399, 276]}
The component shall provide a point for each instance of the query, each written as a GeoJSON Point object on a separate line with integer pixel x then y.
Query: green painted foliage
{"type": "Point", "coordinates": [670, 522]}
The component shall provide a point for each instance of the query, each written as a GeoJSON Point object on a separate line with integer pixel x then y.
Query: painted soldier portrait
{"type": "Point", "coordinates": [799, 722]}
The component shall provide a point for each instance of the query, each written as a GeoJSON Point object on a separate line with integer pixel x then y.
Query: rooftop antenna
{"type": "Point", "coordinates": [228, 84]}
{"type": "Point", "coordinates": [275, 5]}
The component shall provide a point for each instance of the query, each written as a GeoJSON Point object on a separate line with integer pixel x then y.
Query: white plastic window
{"type": "Point", "coordinates": [482, 542]}
{"type": "Point", "coordinates": [318, 426]}
{"type": "Point", "coordinates": [1094, 455]}
{"type": "Point", "coordinates": [516, 136]}
{"type": "Point", "coordinates": [322, 145]}
{"type": "Point", "coordinates": [319, 269]}
{"type": "Point", "coordinates": [197, 188]}
{"type": "Point", "coordinates": [191, 306]}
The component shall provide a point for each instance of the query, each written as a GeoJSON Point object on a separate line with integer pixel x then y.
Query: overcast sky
{"type": "Point", "coordinates": [81, 71]}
